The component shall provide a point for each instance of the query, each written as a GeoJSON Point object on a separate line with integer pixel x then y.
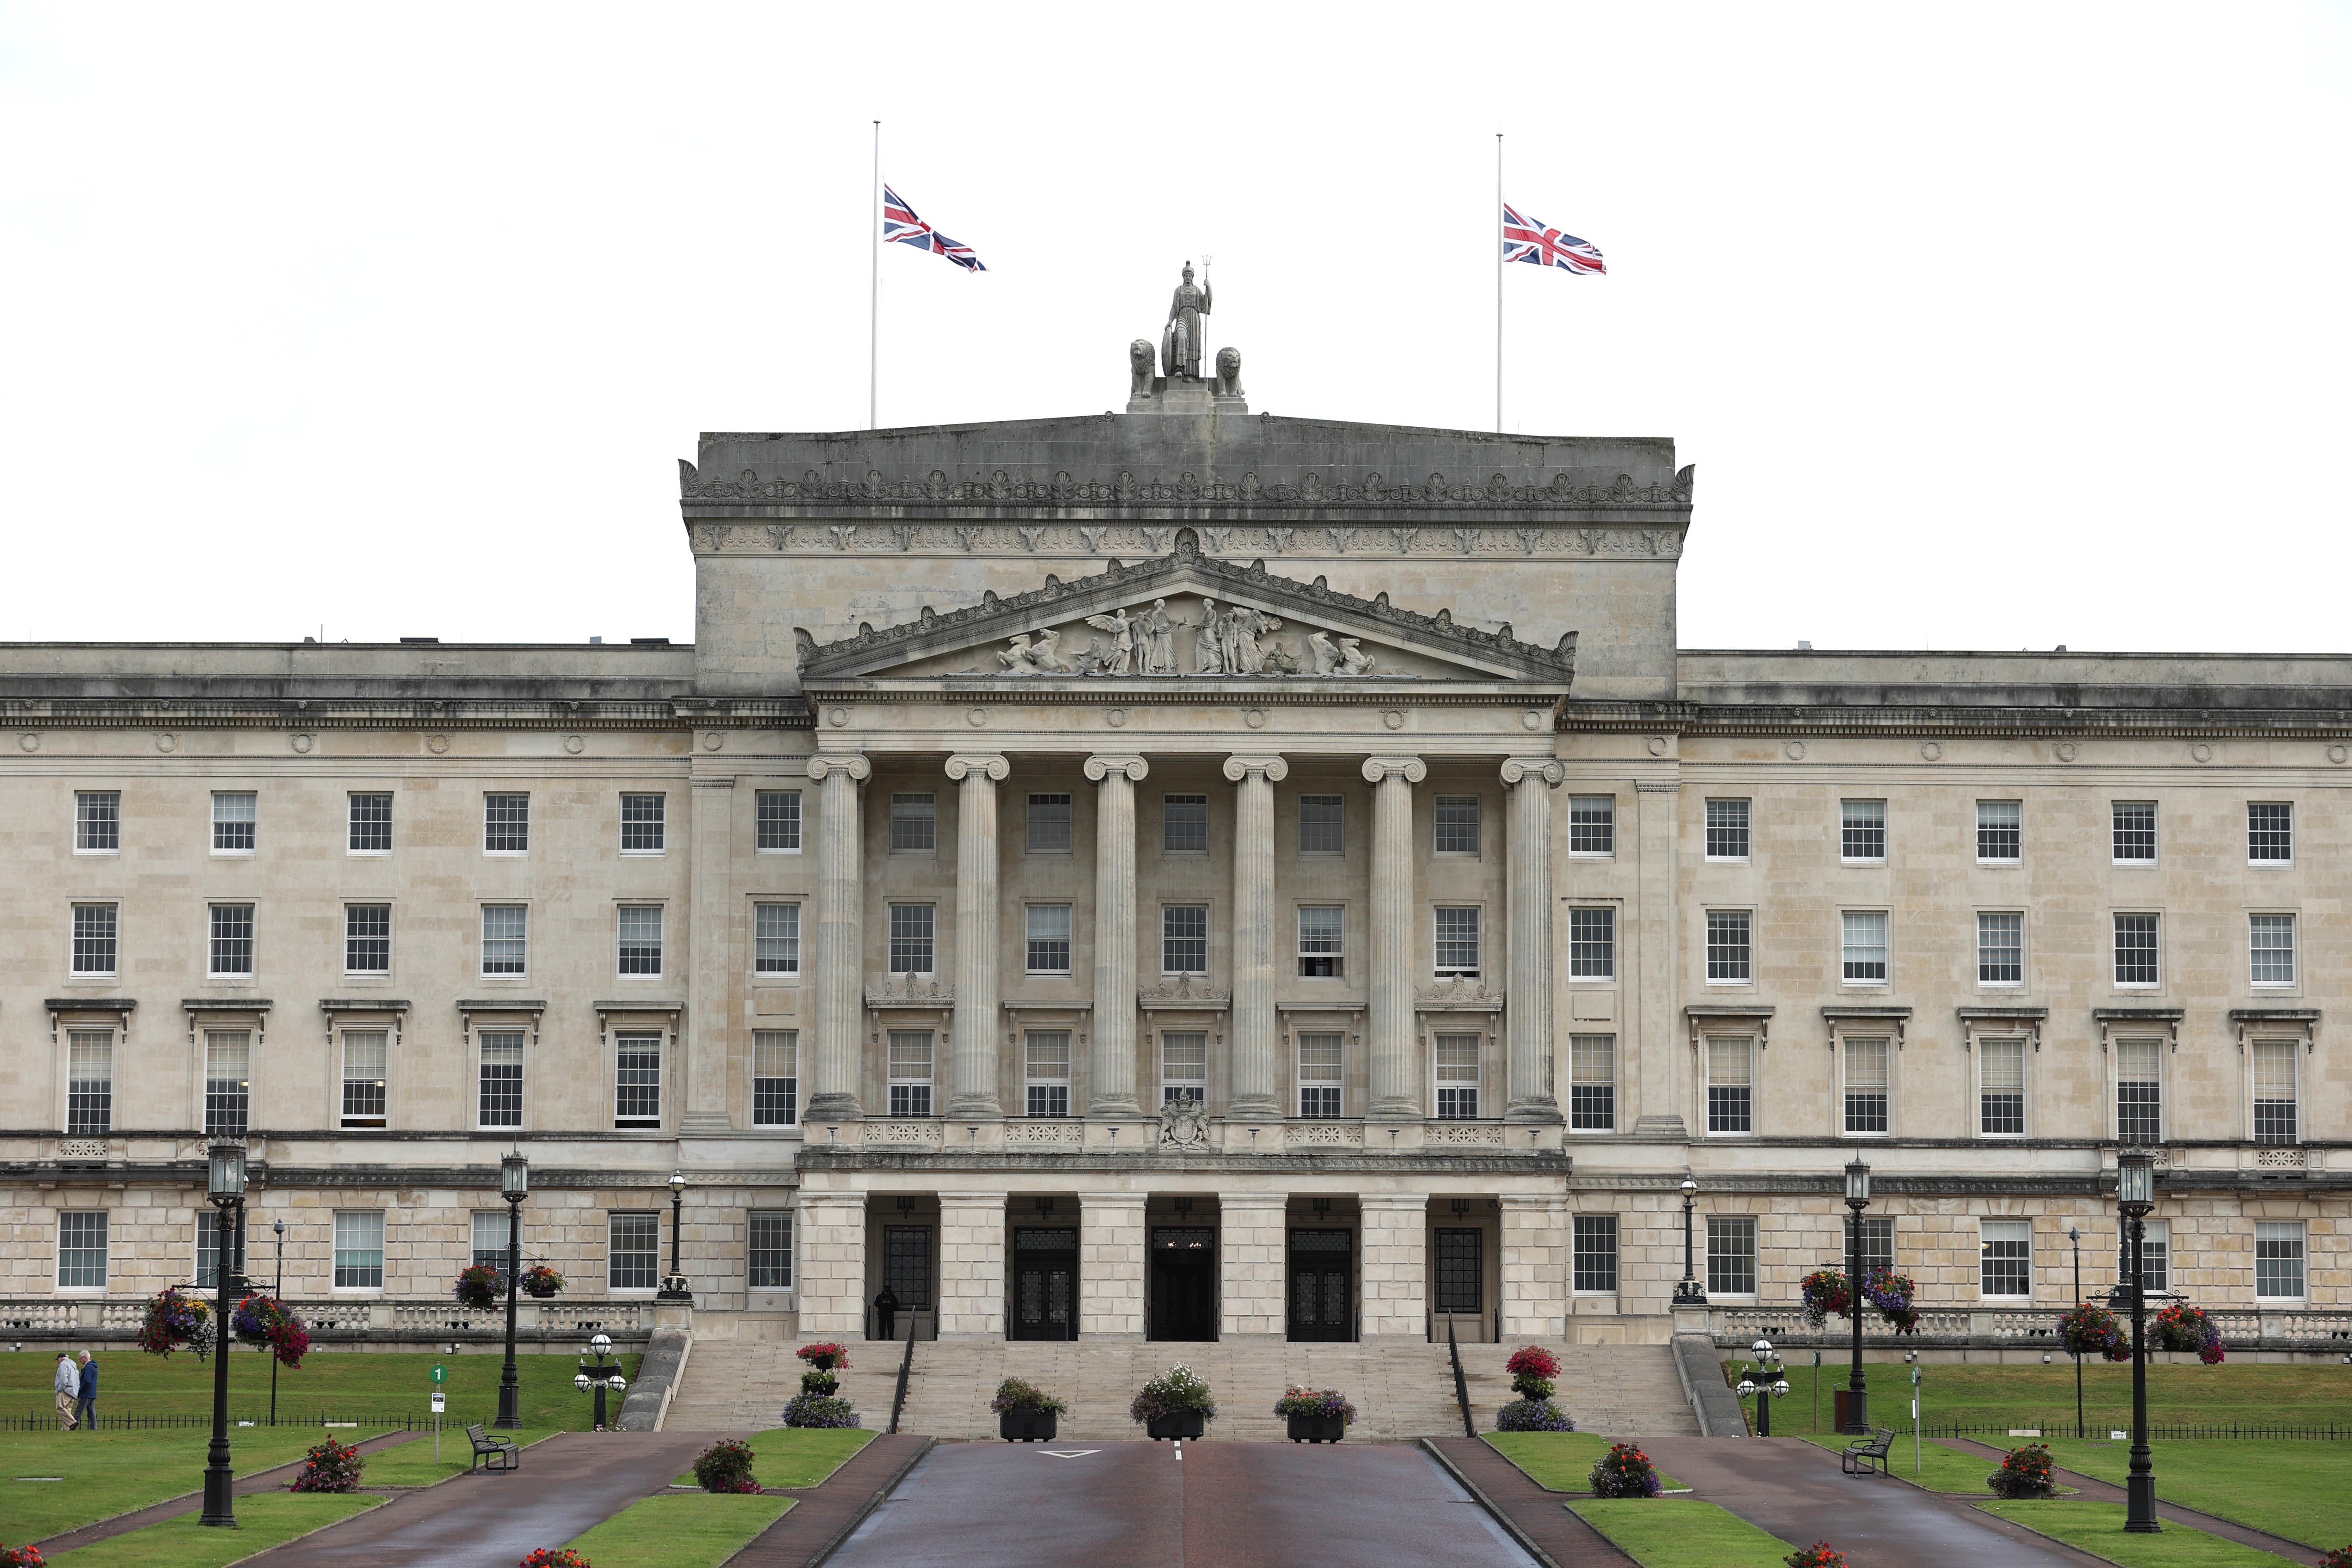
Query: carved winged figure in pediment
{"type": "Point", "coordinates": [1122, 652]}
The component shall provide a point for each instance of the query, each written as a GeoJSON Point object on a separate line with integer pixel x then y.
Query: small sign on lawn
{"type": "Point", "coordinates": [2116, 1436]}
{"type": "Point", "coordinates": [2025, 1431]}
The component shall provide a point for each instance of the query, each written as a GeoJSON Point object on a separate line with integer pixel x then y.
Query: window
{"type": "Point", "coordinates": [1726, 830]}
{"type": "Point", "coordinates": [228, 1082]}
{"type": "Point", "coordinates": [366, 1074]}
{"type": "Point", "coordinates": [1727, 950]}
{"type": "Point", "coordinates": [1322, 941]}
{"type": "Point", "coordinates": [2274, 1091]}
{"type": "Point", "coordinates": [1049, 938]}
{"type": "Point", "coordinates": [2155, 1255]}
{"type": "Point", "coordinates": [1184, 939]}
{"type": "Point", "coordinates": [2269, 832]}
{"type": "Point", "coordinates": [1877, 1244]}
{"type": "Point", "coordinates": [2273, 943]}
{"type": "Point", "coordinates": [1862, 830]}
{"type": "Point", "coordinates": [1864, 951]}
{"type": "Point", "coordinates": [1183, 1068]}
{"type": "Point", "coordinates": [633, 1252]}
{"type": "Point", "coordinates": [776, 1077]}
{"type": "Point", "coordinates": [1999, 830]}
{"type": "Point", "coordinates": [233, 822]}
{"type": "Point", "coordinates": [641, 938]}
{"type": "Point", "coordinates": [490, 1238]}
{"type": "Point", "coordinates": [1592, 1083]}
{"type": "Point", "coordinates": [2278, 1259]}
{"type": "Point", "coordinates": [1046, 1071]}
{"type": "Point", "coordinates": [1461, 1272]}
{"type": "Point", "coordinates": [94, 930]}
{"type": "Point", "coordinates": [1318, 1074]}
{"type": "Point", "coordinates": [90, 1080]}
{"type": "Point", "coordinates": [370, 822]}
{"type": "Point", "coordinates": [1320, 825]}
{"type": "Point", "coordinates": [914, 822]}
{"type": "Point", "coordinates": [637, 1080]}
{"type": "Point", "coordinates": [2139, 1092]}
{"type": "Point", "coordinates": [767, 1250]}
{"type": "Point", "coordinates": [775, 939]}
{"type": "Point", "coordinates": [1457, 942]}
{"type": "Point", "coordinates": [2001, 1087]}
{"type": "Point", "coordinates": [506, 824]}
{"type": "Point", "coordinates": [208, 1258]}
{"type": "Point", "coordinates": [231, 949]}
{"type": "Point", "coordinates": [2005, 1256]}
{"type": "Point", "coordinates": [367, 939]}
{"type": "Point", "coordinates": [505, 933]}
{"type": "Point", "coordinates": [910, 1072]}
{"type": "Point", "coordinates": [98, 821]}
{"type": "Point", "coordinates": [1457, 1078]}
{"type": "Point", "coordinates": [1049, 825]}
{"type": "Point", "coordinates": [907, 1265]}
{"type": "Point", "coordinates": [1591, 825]}
{"type": "Point", "coordinates": [1184, 823]}
{"type": "Point", "coordinates": [2135, 828]}
{"type": "Point", "coordinates": [1592, 944]}
{"type": "Point", "coordinates": [778, 813]}
{"type": "Point", "coordinates": [641, 824]}
{"type": "Point", "coordinates": [1595, 1257]}
{"type": "Point", "coordinates": [1730, 1255]}
{"type": "Point", "coordinates": [500, 1083]}
{"type": "Point", "coordinates": [2000, 949]}
{"type": "Point", "coordinates": [1865, 1087]}
{"type": "Point", "coordinates": [81, 1251]}
{"type": "Point", "coordinates": [359, 1249]}
{"type": "Point", "coordinates": [1730, 1085]}
{"type": "Point", "coordinates": [912, 948]}
{"type": "Point", "coordinates": [1457, 825]}
{"type": "Point", "coordinates": [2135, 949]}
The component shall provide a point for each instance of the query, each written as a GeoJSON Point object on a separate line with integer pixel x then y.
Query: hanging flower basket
{"type": "Point", "coordinates": [541, 1283]}
{"type": "Point", "coordinates": [2185, 1328]}
{"type": "Point", "coordinates": [826, 1356]}
{"type": "Point", "coordinates": [1825, 1295]}
{"type": "Point", "coordinates": [174, 1321]}
{"type": "Point", "coordinates": [266, 1321]}
{"type": "Point", "coordinates": [2089, 1329]}
{"type": "Point", "coordinates": [479, 1286]}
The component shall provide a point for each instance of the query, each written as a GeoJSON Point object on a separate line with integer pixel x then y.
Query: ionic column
{"type": "Point", "coordinates": [1255, 1068]}
{"type": "Point", "coordinates": [840, 936]}
{"type": "Point", "coordinates": [1528, 992]}
{"type": "Point", "coordinates": [1111, 1062]}
{"type": "Point", "coordinates": [1395, 1086]}
{"type": "Point", "coordinates": [972, 1057]}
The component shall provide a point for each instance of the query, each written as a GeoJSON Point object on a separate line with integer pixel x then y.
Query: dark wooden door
{"type": "Point", "coordinates": [1046, 1284]}
{"type": "Point", "coordinates": [1184, 1283]}
{"type": "Point", "coordinates": [1322, 1285]}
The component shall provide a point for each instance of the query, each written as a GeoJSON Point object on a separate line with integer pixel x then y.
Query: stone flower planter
{"type": "Point", "coordinates": [1183, 1424]}
{"type": "Point", "coordinates": [1028, 1425]}
{"type": "Point", "coordinates": [1316, 1428]}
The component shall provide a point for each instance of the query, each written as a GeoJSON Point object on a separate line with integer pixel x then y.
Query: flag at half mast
{"type": "Point", "coordinates": [901, 227]}
{"type": "Point", "coordinates": [1527, 239]}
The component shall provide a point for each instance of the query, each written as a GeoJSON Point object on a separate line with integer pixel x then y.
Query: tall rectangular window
{"type": "Point", "coordinates": [1049, 825]}
{"type": "Point", "coordinates": [2271, 939]}
{"type": "Point", "coordinates": [98, 821]}
{"type": "Point", "coordinates": [2276, 1103]}
{"type": "Point", "coordinates": [1594, 1261]}
{"type": "Point", "coordinates": [1726, 830]}
{"type": "Point", "coordinates": [1592, 943]}
{"type": "Point", "coordinates": [1457, 941]}
{"type": "Point", "coordinates": [490, 1238]}
{"type": "Point", "coordinates": [1457, 825]}
{"type": "Point", "coordinates": [1048, 939]}
{"type": "Point", "coordinates": [914, 822]}
{"type": "Point", "coordinates": [2000, 831]}
{"type": "Point", "coordinates": [637, 1080]}
{"type": "Point", "coordinates": [1318, 1074]}
{"type": "Point", "coordinates": [910, 1072]}
{"type": "Point", "coordinates": [1457, 1076]}
{"type": "Point", "coordinates": [230, 948]}
{"type": "Point", "coordinates": [1862, 830]}
{"type": "Point", "coordinates": [367, 1076]}
{"type": "Point", "coordinates": [505, 938]}
{"type": "Point", "coordinates": [1593, 825]}
{"type": "Point", "coordinates": [1865, 1086]}
{"type": "Point", "coordinates": [1320, 825]}
{"type": "Point", "coordinates": [2155, 1257]}
{"type": "Point", "coordinates": [2139, 1092]}
{"type": "Point", "coordinates": [1864, 953]}
{"type": "Point", "coordinates": [914, 948]}
{"type": "Point", "coordinates": [643, 824]}
{"type": "Point", "coordinates": [1184, 939]}
{"type": "Point", "coordinates": [641, 938]}
{"type": "Point", "coordinates": [2005, 1258]}
{"type": "Point", "coordinates": [208, 1238]}
{"type": "Point", "coordinates": [2136, 951]}
{"type": "Point", "coordinates": [228, 1082]}
{"type": "Point", "coordinates": [370, 822]}
{"type": "Point", "coordinates": [233, 822]}
{"type": "Point", "coordinates": [94, 931]}
{"type": "Point", "coordinates": [1184, 823]}
{"type": "Point", "coordinates": [2134, 831]}
{"type": "Point", "coordinates": [506, 824]}
{"type": "Point", "coordinates": [1877, 1244]}
{"type": "Point", "coordinates": [2269, 832]}
{"type": "Point", "coordinates": [776, 1077]}
{"type": "Point", "coordinates": [359, 1249]}
{"type": "Point", "coordinates": [1321, 941]}
{"type": "Point", "coordinates": [2000, 949]}
{"type": "Point", "coordinates": [1730, 1085]}
{"type": "Point", "coordinates": [633, 1252]}
{"type": "Point", "coordinates": [90, 1081]}
{"type": "Point", "coordinates": [499, 1101]}
{"type": "Point", "coordinates": [367, 939]}
{"type": "Point", "coordinates": [81, 1250]}
{"type": "Point", "coordinates": [1045, 1071]}
{"type": "Point", "coordinates": [2278, 1259]}
{"type": "Point", "coordinates": [1183, 1068]}
{"type": "Point", "coordinates": [1729, 957]}
{"type": "Point", "coordinates": [775, 939]}
{"type": "Point", "coordinates": [2001, 1087]}
{"type": "Point", "coordinates": [778, 814]}
{"type": "Point", "coordinates": [1731, 1254]}
{"type": "Point", "coordinates": [1592, 1083]}
{"type": "Point", "coordinates": [767, 1250]}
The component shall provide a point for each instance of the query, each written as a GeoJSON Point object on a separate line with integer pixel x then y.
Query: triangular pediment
{"type": "Point", "coordinates": [1187, 615]}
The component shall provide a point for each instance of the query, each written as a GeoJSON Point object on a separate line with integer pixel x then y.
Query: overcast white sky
{"type": "Point", "coordinates": [1987, 326]}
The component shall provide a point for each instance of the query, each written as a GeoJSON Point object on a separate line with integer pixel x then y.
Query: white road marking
{"type": "Point", "coordinates": [1073, 1454]}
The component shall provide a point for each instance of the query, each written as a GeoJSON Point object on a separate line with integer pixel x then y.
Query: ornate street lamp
{"type": "Point", "coordinates": [600, 1374]}
{"type": "Point", "coordinates": [2074, 1234]}
{"type": "Point", "coordinates": [1687, 1293]}
{"type": "Point", "coordinates": [1857, 1198]}
{"type": "Point", "coordinates": [675, 1287]}
{"type": "Point", "coordinates": [1769, 1382]}
{"type": "Point", "coordinates": [2134, 1196]}
{"type": "Point", "coordinates": [278, 1227]}
{"type": "Point", "coordinates": [225, 1185]}
{"type": "Point", "coordinates": [514, 1185]}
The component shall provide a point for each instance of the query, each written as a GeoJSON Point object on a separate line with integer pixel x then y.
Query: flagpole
{"type": "Point", "coordinates": [874, 290]}
{"type": "Point", "coordinates": [1498, 282]}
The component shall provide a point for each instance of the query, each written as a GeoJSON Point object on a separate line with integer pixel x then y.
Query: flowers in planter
{"type": "Point", "coordinates": [825, 1356]}
{"type": "Point", "coordinates": [2088, 1328]}
{"type": "Point", "coordinates": [21, 1556]}
{"type": "Point", "coordinates": [173, 1321]}
{"type": "Point", "coordinates": [1826, 1294]}
{"type": "Point", "coordinates": [2186, 1327]}
{"type": "Point", "coordinates": [1176, 1392]}
{"type": "Point", "coordinates": [479, 1286]}
{"type": "Point", "coordinates": [1018, 1394]}
{"type": "Point", "coordinates": [811, 1409]}
{"type": "Point", "coordinates": [1532, 1415]}
{"type": "Point", "coordinates": [1820, 1554]}
{"type": "Point", "coordinates": [725, 1467]}
{"type": "Point", "coordinates": [2024, 1473]}
{"type": "Point", "coordinates": [554, 1557]}
{"type": "Point", "coordinates": [332, 1467]}
{"type": "Point", "coordinates": [1328, 1403]}
{"type": "Point", "coordinates": [2339, 1558]}
{"type": "Point", "coordinates": [261, 1319]}
{"type": "Point", "coordinates": [1532, 1369]}
{"type": "Point", "coordinates": [1625, 1471]}
{"type": "Point", "coordinates": [540, 1282]}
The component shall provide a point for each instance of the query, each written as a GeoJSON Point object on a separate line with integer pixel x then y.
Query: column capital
{"type": "Point", "coordinates": [1544, 770]}
{"type": "Point", "coordinates": [993, 763]}
{"type": "Point", "coordinates": [1413, 769]}
{"type": "Point", "coordinates": [854, 764]}
{"type": "Point", "coordinates": [1238, 768]}
{"type": "Point", "coordinates": [1102, 767]}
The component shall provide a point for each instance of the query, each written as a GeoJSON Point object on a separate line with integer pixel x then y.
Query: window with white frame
{"type": "Point", "coordinates": [2134, 831]}
{"type": "Point", "coordinates": [1862, 830]}
{"type": "Point", "coordinates": [1592, 943]}
{"type": "Point", "coordinates": [1867, 1068]}
{"type": "Point", "coordinates": [637, 1079]}
{"type": "Point", "coordinates": [90, 1081]}
{"type": "Point", "coordinates": [633, 1252]}
{"type": "Point", "coordinates": [2278, 1260]}
{"type": "Point", "coordinates": [1876, 1243]}
{"type": "Point", "coordinates": [2155, 1255]}
{"type": "Point", "coordinates": [768, 1249]}
{"type": "Point", "coordinates": [1457, 1076]}
{"type": "Point", "coordinates": [506, 824]}
{"type": "Point", "coordinates": [1593, 1261]}
{"type": "Point", "coordinates": [229, 949]}
{"type": "Point", "coordinates": [490, 1240]}
{"type": "Point", "coordinates": [1593, 825]}
{"type": "Point", "coordinates": [505, 930]}
{"type": "Point", "coordinates": [233, 822]}
{"type": "Point", "coordinates": [2005, 1259]}
{"type": "Point", "coordinates": [359, 1249]}
{"type": "Point", "coordinates": [914, 822]}
{"type": "Point", "coordinates": [1184, 823]}
{"type": "Point", "coordinates": [2136, 951]}
{"type": "Point", "coordinates": [1457, 941]}
{"type": "Point", "coordinates": [2001, 948]}
{"type": "Point", "coordinates": [97, 821]}
{"type": "Point", "coordinates": [2000, 836]}
{"type": "Point", "coordinates": [1184, 939]}
{"type": "Point", "coordinates": [2001, 1087]}
{"type": "Point", "coordinates": [1730, 1255]}
{"type": "Point", "coordinates": [914, 946]}
{"type": "Point", "coordinates": [777, 820]}
{"type": "Point", "coordinates": [368, 824]}
{"type": "Point", "coordinates": [367, 939]}
{"type": "Point", "coordinates": [1863, 954]}
{"type": "Point", "coordinates": [1322, 941]}
{"type": "Point", "coordinates": [643, 824]}
{"type": "Point", "coordinates": [1457, 825]}
{"type": "Point", "coordinates": [776, 1077]}
{"type": "Point", "coordinates": [95, 929]}
{"type": "Point", "coordinates": [1729, 950]}
{"type": "Point", "coordinates": [2271, 944]}
{"type": "Point", "coordinates": [1183, 1067]}
{"type": "Point", "coordinates": [1319, 1062]}
{"type": "Point", "coordinates": [1727, 829]}
{"type": "Point", "coordinates": [498, 1078]}
{"type": "Point", "coordinates": [1592, 1083]}
{"type": "Point", "coordinates": [775, 939]}
{"type": "Point", "coordinates": [366, 1076]}
{"type": "Point", "coordinates": [1730, 1084]}
{"type": "Point", "coordinates": [2139, 1092]}
{"type": "Point", "coordinates": [641, 938]}
{"type": "Point", "coordinates": [228, 1082]}
{"type": "Point", "coordinates": [1045, 1071]}
{"type": "Point", "coordinates": [2277, 1108]}
{"type": "Point", "coordinates": [1048, 939]}
{"type": "Point", "coordinates": [208, 1239]}
{"type": "Point", "coordinates": [1049, 823]}
{"type": "Point", "coordinates": [910, 1072]}
{"type": "Point", "coordinates": [81, 1250]}
{"type": "Point", "coordinates": [2269, 832]}
{"type": "Point", "coordinates": [1321, 824]}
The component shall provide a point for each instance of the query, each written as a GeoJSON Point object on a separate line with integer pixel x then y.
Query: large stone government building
{"type": "Point", "coordinates": [1174, 874]}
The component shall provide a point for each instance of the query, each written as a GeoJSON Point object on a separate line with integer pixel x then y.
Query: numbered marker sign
{"type": "Point", "coordinates": [440, 1402]}
{"type": "Point", "coordinates": [440, 1373]}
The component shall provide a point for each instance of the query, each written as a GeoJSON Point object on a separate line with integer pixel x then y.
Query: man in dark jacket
{"type": "Point", "coordinates": [86, 1406]}
{"type": "Point", "coordinates": [886, 1313]}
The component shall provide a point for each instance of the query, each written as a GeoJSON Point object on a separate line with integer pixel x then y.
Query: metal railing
{"type": "Point", "coordinates": [402, 1318]}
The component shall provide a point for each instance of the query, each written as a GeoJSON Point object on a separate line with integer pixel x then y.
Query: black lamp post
{"type": "Point", "coordinates": [600, 1374]}
{"type": "Point", "coordinates": [225, 1185]}
{"type": "Point", "coordinates": [2074, 1234]}
{"type": "Point", "coordinates": [2134, 1196]}
{"type": "Point", "coordinates": [675, 1287]}
{"type": "Point", "coordinates": [514, 1185]}
{"type": "Point", "coordinates": [1769, 1382]}
{"type": "Point", "coordinates": [278, 1226]}
{"type": "Point", "coordinates": [1857, 1198]}
{"type": "Point", "coordinates": [1687, 1293]}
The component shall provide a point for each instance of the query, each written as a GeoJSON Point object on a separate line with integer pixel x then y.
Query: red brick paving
{"type": "Point", "coordinates": [824, 1512]}
{"type": "Point", "coordinates": [1541, 1516]}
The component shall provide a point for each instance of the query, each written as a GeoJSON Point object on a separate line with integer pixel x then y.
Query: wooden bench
{"type": "Point", "coordinates": [1868, 1455]}
{"type": "Point", "coordinates": [486, 1448]}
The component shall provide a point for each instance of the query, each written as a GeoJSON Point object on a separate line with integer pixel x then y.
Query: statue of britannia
{"type": "Point", "coordinates": [1180, 343]}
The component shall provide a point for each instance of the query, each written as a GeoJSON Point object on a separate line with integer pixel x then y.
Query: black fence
{"type": "Point", "coordinates": [406, 1421]}
{"type": "Point", "coordinates": [2064, 1426]}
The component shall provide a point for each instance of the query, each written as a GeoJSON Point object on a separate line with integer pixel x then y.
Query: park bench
{"type": "Point", "coordinates": [1868, 1454]}
{"type": "Point", "coordinates": [487, 1448]}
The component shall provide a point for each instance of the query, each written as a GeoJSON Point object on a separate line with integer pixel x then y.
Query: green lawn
{"type": "Point", "coordinates": [1941, 1469]}
{"type": "Point", "coordinates": [2291, 1488]}
{"type": "Point", "coordinates": [107, 1473]}
{"type": "Point", "coordinates": [2098, 1528]}
{"type": "Point", "coordinates": [2312, 1393]}
{"type": "Point", "coordinates": [1676, 1532]}
{"type": "Point", "coordinates": [700, 1530]}
{"type": "Point", "coordinates": [1557, 1461]}
{"type": "Point", "coordinates": [262, 1521]}
{"type": "Point", "coordinates": [412, 1464]}
{"type": "Point", "coordinates": [798, 1456]}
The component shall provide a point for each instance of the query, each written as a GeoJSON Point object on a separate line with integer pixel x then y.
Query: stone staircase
{"type": "Point", "coordinates": [742, 1385]}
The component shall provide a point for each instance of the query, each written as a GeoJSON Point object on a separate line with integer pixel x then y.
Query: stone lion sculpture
{"type": "Point", "coordinates": [1139, 361]}
{"type": "Point", "coordinates": [1229, 372]}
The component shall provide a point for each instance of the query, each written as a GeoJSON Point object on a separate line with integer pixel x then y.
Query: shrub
{"type": "Point", "coordinates": [1820, 1554]}
{"type": "Point", "coordinates": [2024, 1473]}
{"type": "Point", "coordinates": [1532, 1415]}
{"type": "Point", "coordinates": [820, 1410]}
{"type": "Point", "coordinates": [1625, 1471]}
{"type": "Point", "coordinates": [479, 1285]}
{"type": "Point", "coordinates": [1327, 1403]}
{"type": "Point", "coordinates": [2089, 1329]}
{"type": "Point", "coordinates": [20, 1556]}
{"type": "Point", "coordinates": [540, 1281]}
{"type": "Point", "coordinates": [1173, 1392]}
{"type": "Point", "coordinates": [554, 1557]}
{"type": "Point", "coordinates": [725, 1467]}
{"type": "Point", "coordinates": [333, 1467]}
{"type": "Point", "coordinates": [826, 1356]}
{"type": "Point", "coordinates": [1017, 1393]}
{"type": "Point", "coordinates": [2339, 1558]}
{"type": "Point", "coordinates": [173, 1321]}
{"type": "Point", "coordinates": [1532, 1361]}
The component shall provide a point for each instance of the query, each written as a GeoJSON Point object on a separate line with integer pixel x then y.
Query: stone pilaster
{"type": "Point", "coordinates": [1659, 1045]}
{"type": "Point", "coordinates": [1250, 1261]}
{"type": "Point", "coordinates": [1535, 1268]}
{"type": "Point", "coordinates": [1111, 1062]}
{"type": "Point", "coordinates": [972, 1057]}
{"type": "Point", "coordinates": [1534, 1097]}
{"type": "Point", "coordinates": [971, 1266]}
{"type": "Point", "coordinates": [711, 1013]}
{"type": "Point", "coordinates": [840, 1003]}
{"type": "Point", "coordinates": [1395, 1079]}
{"type": "Point", "coordinates": [1257, 1066]}
{"type": "Point", "coordinates": [1395, 1243]}
{"type": "Point", "coordinates": [1111, 1266]}
{"type": "Point", "coordinates": [832, 1281]}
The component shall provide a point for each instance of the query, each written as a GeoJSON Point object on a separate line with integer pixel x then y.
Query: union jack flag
{"type": "Point", "coordinates": [901, 227]}
{"type": "Point", "coordinates": [1527, 239]}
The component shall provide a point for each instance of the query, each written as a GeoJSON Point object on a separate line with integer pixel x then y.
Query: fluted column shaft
{"type": "Point", "coordinates": [1256, 1068]}
{"type": "Point", "coordinates": [1395, 1085]}
{"type": "Point", "coordinates": [840, 937]}
{"type": "Point", "coordinates": [1111, 1062]}
{"type": "Point", "coordinates": [1527, 996]}
{"type": "Point", "coordinates": [971, 1056]}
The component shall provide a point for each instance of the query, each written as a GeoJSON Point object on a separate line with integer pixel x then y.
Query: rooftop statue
{"type": "Point", "coordinates": [1180, 343]}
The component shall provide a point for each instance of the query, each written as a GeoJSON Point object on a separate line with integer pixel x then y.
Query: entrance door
{"type": "Point", "coordinates": [1322, 1284]}
{"type": "Point", "coordinates": [1183, 1282]}
{"type": "Point", "coordinates": [907, 1270]}
{"type": "Point", "coordinates": [1046, 1283]}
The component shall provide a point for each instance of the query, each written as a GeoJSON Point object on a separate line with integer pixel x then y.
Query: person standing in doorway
{"type": "Point", "coordinates": [86, 1407]}
{"type": "Point", "coordinates": [886, 1313]}
{"type": "Point", "coordinates": [68, 1384]}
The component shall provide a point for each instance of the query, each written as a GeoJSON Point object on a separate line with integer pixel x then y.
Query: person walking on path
{"type": "Point", "coordinates": [68, 1385]}
{"type": "Point", "coordinates": [86, 1410]}
{"type": "Point", "coordinates": [886, 1313]}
